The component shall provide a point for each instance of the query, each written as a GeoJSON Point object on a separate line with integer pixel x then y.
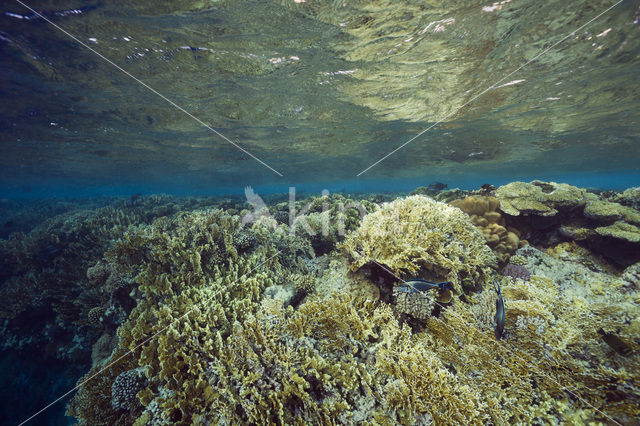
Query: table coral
{"type": "Point", "coordinates": [539, 198]}
{"type": "Point", "coordinates": [546, 211]}
{"type": "Point", "coordinates": [417, 236]}
{"type": "Point", "coordinates": [629, 197]}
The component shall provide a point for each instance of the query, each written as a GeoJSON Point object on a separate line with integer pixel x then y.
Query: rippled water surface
{"type": "Point", "coordinates": [317, 90]}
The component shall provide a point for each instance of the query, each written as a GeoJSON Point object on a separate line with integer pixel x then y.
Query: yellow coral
{"type": "Point", "coordinates": [417, 235]}
{"type": "Point", "coordinates": [191, 299]}
{"type": "Point", "coordinates": [225, 355]}
{"type": "Point", "coordinates": [484, 215]}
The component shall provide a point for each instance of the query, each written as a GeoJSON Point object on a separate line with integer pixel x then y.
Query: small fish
{"type": "Point", "coordinates": [616, 343]}
{"type": "Point", "coordinates": [487, 187]}
{"type": "Point", "coordinates": [415, 285]}
{"type": "Point", "coordinates": [498, 320]}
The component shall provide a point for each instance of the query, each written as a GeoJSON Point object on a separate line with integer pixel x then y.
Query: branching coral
{"type": "Point", "coordinates": [226, 352]}
{"type": "Point", "coordinates": [417, 235]}
{"type": "Point", "coordinates": [334, 359]}
{"type": "Point", "coordinates": [325, 220]}
{"type": "Point", "coordinates": [190, 299]}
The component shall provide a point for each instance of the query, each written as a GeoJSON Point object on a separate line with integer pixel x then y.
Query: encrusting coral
{"type": "Point", "coordinates": [417, 236]}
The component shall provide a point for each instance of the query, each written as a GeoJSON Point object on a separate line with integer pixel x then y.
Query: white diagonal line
{"type": "Point", "coordinates": [488, 88]}
{"type": "Point", "coordinates": [148, 339]}
{"type": "Point", "coordinates": [172, 103]}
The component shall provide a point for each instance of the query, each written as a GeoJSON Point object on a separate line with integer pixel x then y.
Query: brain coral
{"type": "Point", "coordinates": [419, 236]}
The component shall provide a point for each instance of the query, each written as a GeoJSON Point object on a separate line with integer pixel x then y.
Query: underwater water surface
{"type": "Point", "coordinates": [210, 211]}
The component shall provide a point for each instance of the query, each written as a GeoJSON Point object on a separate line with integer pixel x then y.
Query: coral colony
{"type": "Point", "coordinates": [308, 319]}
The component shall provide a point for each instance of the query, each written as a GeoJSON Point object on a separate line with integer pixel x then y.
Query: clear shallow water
{"type": "Point", "coordinates": [320, 91]}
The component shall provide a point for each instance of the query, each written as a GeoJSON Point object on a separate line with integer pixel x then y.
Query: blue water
{"type": "Point", "coordinates": [320, 91]}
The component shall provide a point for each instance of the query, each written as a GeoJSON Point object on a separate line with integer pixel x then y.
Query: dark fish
{"type": "Point", "coordinates": [616, 343]}
{"type": "Point", "coordinates": [437, 186]}
{"type": "Point", "coordinates": [498, 320]}
{"type": "Point", "coordinates": [487, 187]}
{"type": "Point", "coordinates": [415, 285]}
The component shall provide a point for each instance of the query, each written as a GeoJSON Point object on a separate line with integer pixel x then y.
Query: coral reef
{"type": "Point", "coordinates": [198, 319]}
{"type": "Point", "coordinates": [45, 272]}
{"type": "Point", "coordinates": [419, 236]}
{"type": "Point", "coordinates": [539, 198]}
{"type": "Point", "coordinates": [191, 296]}
{"type": "Point", "coordinates": [53, 313]}
{"type": "Point", "coordinates": [334, 360]}
{"type": "Point", "coordinates": [548, 212]}
{"type": "Point", "coordinates": [484, 215]}
{"type": "Point", "coordinates": [325, 220]}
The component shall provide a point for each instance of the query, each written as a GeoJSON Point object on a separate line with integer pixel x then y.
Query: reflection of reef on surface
{"type": "Point", "coordinates": [261, 324]}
